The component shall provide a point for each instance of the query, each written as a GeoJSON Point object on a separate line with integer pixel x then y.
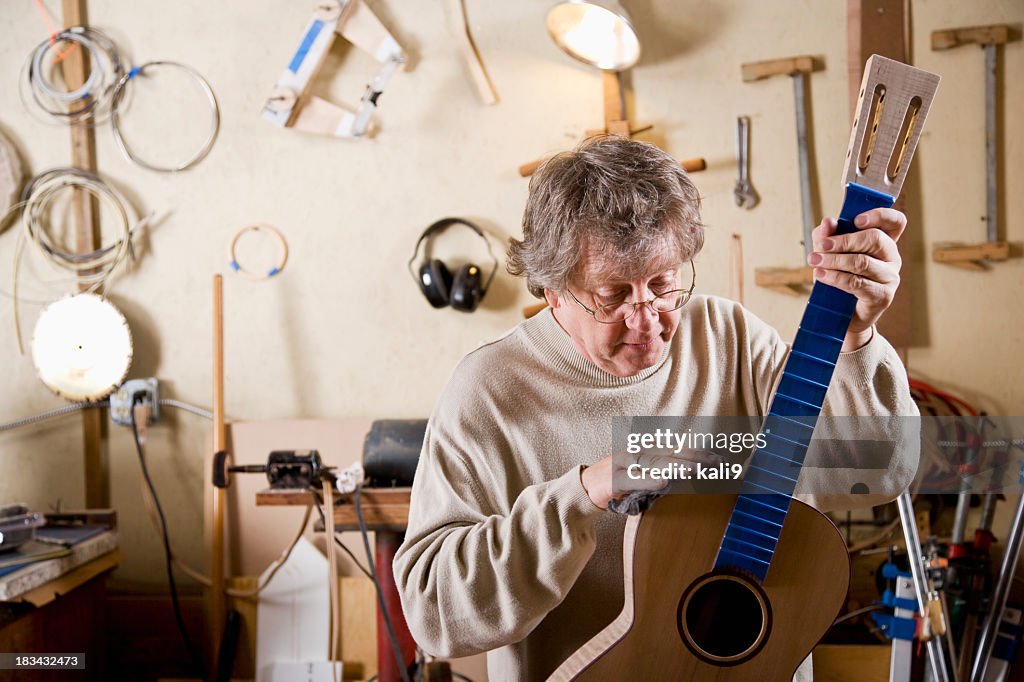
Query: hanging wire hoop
{"type": "Point", "coordinates": [90, 268]}
{"type": "Point", "coordinates": [86, 101]}
{"type": "Point", "coordinates": [249, 274]}
{"type": "Point", "coordinates": [117, 98]}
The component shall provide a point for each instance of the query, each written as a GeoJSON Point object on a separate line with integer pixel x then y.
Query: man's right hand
{"type": "Point", "coordinates": [599, 478]}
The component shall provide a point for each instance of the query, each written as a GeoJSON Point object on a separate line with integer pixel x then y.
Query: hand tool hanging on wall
{"type": "Point", "coordinates": [791, 280]}
{"type": "Point", "coordinates": [291, 106]}
{"type": "Point", "coordinates": [744, 192]}
{"type": "Point", "coordinates": [973, 256]}
{"type": "Point", "coordinates": [616, 122]}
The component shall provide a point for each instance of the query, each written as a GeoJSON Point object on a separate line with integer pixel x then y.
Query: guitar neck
{"type": "Point", "coordinates": [891, 111]}
{"type": "Point", "coordinates": [772, 472]}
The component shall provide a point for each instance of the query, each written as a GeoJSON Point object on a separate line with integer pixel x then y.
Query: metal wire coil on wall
{"type": "Point", "coordinates": [85, 102]}
{"type": "Point", "coordinates": [118, 98]}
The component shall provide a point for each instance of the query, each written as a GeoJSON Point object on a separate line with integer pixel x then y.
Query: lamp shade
{"type": "Point", "coordinates": [596, 32]}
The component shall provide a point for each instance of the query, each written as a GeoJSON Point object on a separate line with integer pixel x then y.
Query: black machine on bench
{"type": "Point", "coordinates": [391, 451]}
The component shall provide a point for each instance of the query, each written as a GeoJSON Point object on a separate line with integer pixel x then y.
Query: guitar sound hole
{"type": "Point", "coordinates": [724, 619]}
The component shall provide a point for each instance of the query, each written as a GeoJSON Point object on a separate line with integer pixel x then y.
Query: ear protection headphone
{"type": "Point", "coordinates": [463, 291]}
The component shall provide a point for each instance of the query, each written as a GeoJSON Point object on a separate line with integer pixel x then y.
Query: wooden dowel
{"type": "Point", "coordinates": [217, 608]}
{"type": "Point", "coordinates": [694, 165]}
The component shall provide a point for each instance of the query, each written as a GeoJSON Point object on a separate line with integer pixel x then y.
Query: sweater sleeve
{"type": "Point", "coordinates": [480, 570]}
{"type": "Point", "coordinates": [869, 382]}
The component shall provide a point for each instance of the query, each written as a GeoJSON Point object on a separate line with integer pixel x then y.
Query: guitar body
{"type": "Point", "coordinates": [681, 621]}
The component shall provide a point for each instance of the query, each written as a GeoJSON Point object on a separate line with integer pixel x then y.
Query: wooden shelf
{"type": "Point", "coordinates": [383, 508]}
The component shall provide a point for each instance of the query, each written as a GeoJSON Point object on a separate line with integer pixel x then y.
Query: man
{"type": "Point", "coordinates": [510, 549]}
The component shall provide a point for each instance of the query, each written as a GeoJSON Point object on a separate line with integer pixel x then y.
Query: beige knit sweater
{"type": "Point", "coordinates": [505, 552]}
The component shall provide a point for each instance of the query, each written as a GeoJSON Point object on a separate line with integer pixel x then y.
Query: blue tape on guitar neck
{"type": "Point", "coordinates": [794, 411]}
{"type": "Point", "coordinates": [860, 199]}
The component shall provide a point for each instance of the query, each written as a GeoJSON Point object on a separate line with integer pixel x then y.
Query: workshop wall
{"type": "Point", "coordinates": [343, 331]}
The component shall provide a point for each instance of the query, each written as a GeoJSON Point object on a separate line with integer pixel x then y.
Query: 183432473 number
{"type": "Point", "coordinates": [42, 661]}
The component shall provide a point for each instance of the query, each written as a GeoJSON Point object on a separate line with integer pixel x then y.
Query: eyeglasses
{"type": "Point", "coordinates": [662, 303]}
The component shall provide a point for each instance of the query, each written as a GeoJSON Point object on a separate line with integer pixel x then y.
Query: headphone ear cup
{"type": "Point", "coordinates": [466, 291]}
{"type": "Point", "coordinates": [435, 282]}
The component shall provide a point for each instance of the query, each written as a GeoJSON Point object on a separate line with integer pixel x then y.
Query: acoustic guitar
{"type": "Point", "coordinates": [741, 587]}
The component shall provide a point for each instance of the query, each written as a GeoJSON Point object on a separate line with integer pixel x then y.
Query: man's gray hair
{"type": "Point", "coordinates": [624, 201]}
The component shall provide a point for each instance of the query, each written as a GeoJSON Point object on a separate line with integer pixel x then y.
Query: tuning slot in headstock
{"type": "Point", "coordinates": [893, 103]}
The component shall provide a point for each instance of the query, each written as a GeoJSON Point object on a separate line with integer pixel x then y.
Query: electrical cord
{"type": "Point", "coordinates": [344, 547]}
{"type": "Point", "coordinates": [187, 407]}
{"type": "Point", "coordinates": [189, 647]}
{"type": "Point", "coordinates": [204, 580]}
{"type": "Point", "coordinates": [77, 407]}
{"type": "Point", "coordinates": [858, 612]}
{"type": "Point", "coordinates": [197, 575]}
{"type": "Point", "coordinates": [376, 584]}
{"type": "Point", "coordinates": [50, 414]}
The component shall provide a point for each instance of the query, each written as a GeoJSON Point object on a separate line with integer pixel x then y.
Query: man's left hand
{"type": "Point", "coordinates": [865, 263]}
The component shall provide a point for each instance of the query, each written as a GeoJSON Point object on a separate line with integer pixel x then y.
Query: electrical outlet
{"type": "Point", "coordinates": [123, 399]}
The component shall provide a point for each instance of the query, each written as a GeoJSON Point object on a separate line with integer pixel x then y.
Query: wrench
{"type": "Point", "coordinates": [744, 192]}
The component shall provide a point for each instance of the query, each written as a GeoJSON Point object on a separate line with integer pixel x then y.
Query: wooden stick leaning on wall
{"type": "Point", "coordinates": [85, 207]}
{"type": "Point", "coordinates": [458, 27]}
{"type": "Point", "coordinates": [216, 596]}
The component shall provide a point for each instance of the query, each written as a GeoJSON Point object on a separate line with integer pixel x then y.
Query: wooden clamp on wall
{"type": "Point", "coordinates": [616, 122]}
{"type": "Point", "coordinates": [791, 281]}
{"type": "Point", "coordinates": [290, 105]}
{"type": "Point", "coordinates": [976, 256]}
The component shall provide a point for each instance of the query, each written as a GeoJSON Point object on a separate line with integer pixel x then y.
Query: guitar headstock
{"type": "Point", "coordinates": [891, 109]}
